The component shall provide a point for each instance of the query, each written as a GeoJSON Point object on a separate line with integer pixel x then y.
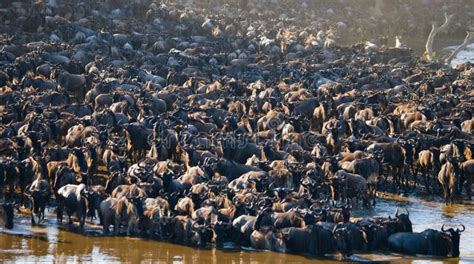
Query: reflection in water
{"type": "Point", "coordinates": [78, 248]}
{"type": "Point", "coordinates": [50, 244]}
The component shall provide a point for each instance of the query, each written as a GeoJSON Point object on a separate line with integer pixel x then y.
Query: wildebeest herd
{"type": "Point", "coordinates": [201, 128]}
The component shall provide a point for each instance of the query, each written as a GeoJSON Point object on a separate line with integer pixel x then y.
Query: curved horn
{"type": "Point", "coordinates": [408, 213]}
{"type": "Point", "coordinates": [396, 212]}
{"type": "Point", "coordinates": [442, 228]}
{"type": "Point", "coordinates": [463, 228]}
{"type": "Point", "coordinates": [271, 186]}
{"type": "Point", "coordinates": [235, 200]}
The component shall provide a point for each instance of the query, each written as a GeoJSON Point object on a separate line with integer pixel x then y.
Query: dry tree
{"type": "Point", "coordinates": [435, 29]}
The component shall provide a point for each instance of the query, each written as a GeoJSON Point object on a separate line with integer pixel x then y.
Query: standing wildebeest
{"type": "Point", "coordinates": [118, 211]}
{"type": "Point", "coordinates": [369, 169]}
{"type": "Point", "coordinates": [74, 198]}
{"type": "Point", "coordinates": [428, 162]}
{"type": "Point", "coordinates": [137, 140]}
{"type": "Point", "coordinates": [8, 172]}
{"type": "Point", "coordinates": [38, 193]}
{"type": "Point", "coordinates": [447, 180]}
{"type": "Point", "coordinates": [393, 156]}
{"type": "Point", "coordinates": [346, 185]}
{"type": "Point", "coordinates": [429, 242]}
{"type": "Point", "coordinates": [467, 170]}
{"type": "Point", "coordinates": [74, 84]}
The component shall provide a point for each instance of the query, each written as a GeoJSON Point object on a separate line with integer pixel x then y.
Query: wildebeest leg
{"type": "Point", "coordinates": [445, 194]}
{"type": "Point", "coordinates": [396, 180]}
{"type": "Point", "coordinates": [415, 174]}
{"type": "Point", "coordinates": [32, 217]}
{"type": "Point", "coordinates": [90, 174]}
{"type": "Point", "coordinates": [69, 217]}
{"type": "Point", "coordinates": [82, 220]}
{"type": "Point", "coordinates": [468, 187]}
{"type": "Point", "coordinates": [366, 200]}
{"type": "Point", "coordinates": [43, 208]}
{"type": "Point", "coordinates": [373, 192]}
{"type": "Point", "coordinates": [59, 212]}
{"type": "Point", "coordinates": [460, 183]}
{"type": "Point", "coordinates": [404, 180]}
{"type": "Point", "coordinates": [129, 227]}
{"type": "Point", "coordinates": [412, 167]}
{"type": "Point", "coordinates": [427, 180]}
{"type": "Point", "coordinates": [402, 177]}
{"type": "Point", "coordinates": [392, 173]}
{"type": "Point", "coordinates": [450, 195]}
{"type": "Point", "coordinates": [130, 154]}
{"type": "Point", "coordinates": [11, 190]}
{"type": "Point", "coordinates": [385, 175]}
{"type": "Point", "coordinates": [116, 225]}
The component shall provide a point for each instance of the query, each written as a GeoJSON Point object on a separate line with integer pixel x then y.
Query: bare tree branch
{"type": "Point", "coordinates": [435, 29]}
{"type": "Point", "coordinates": [469, 36]}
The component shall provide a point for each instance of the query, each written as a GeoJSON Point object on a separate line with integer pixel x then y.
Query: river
{"type": "Point", "coordinates": [51, 243]}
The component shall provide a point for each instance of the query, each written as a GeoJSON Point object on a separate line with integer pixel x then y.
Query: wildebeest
{"type": "Point", "coordinates": [313, 239]}
{"type": "Point", "coordinates": [350, 186]}
{"type": "Point", "coordinates": [447, 179]}
{"type": "Point", "coordinates": [393, 156]}
{"type": "Point", "coordinates": [74, 199]}
{"type": "Point", "coordinates": [428, 162]}
{"type": "Point", "coordinates": [38, 193]}
{"type": "Point", "coordinates": [278, 220]}
{"type": "Point", "coordinates": [429, 242]}
{"type": "Point", "coordinates": [268, 239]}
{"type": "Point", "coordinates": [117, 212]}
{"type": "Point", "coordinates": [74, 84]}
{"type": "Point", "coordinates": [467, 170]}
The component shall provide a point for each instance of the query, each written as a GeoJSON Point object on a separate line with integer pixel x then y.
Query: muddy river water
{"type": "Point", "coordinates": [51, 243]}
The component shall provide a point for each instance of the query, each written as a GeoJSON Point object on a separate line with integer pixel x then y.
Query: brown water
{"type": "Point", "coordinates": [25, 244]}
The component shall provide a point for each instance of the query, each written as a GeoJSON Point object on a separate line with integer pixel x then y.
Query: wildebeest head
{"type": "Point", "coordinates": [404, 221]}
{"type": "Point", "coordinates": [309, 216]}
{"type": "Point", "coordinates": [276, 241]}
{"type": "Point", "coordinates": [220, 230]}
{"type": "Point", "coordinates": [95, 197]}
{"type": "Point", "coordinates": [36, 198]}
{"type": "Point", "coordinates": [455, 238]}
{"type": "Point", "coordinates": [264, 219]}
{"type": "Point", "coordinates": [116, 179]}
{"type": "Point", "coordinates": [138, 202]}
{"type": "Point", "coordinates": [341, 240]}
{"type": "Point", "coordinates": [201, 235]}
{"type": "Point", "coordinates": [346, 213]}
